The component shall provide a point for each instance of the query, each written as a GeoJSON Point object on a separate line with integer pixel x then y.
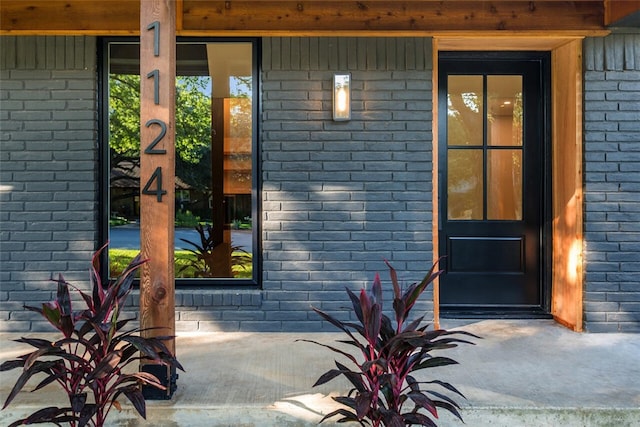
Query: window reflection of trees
{"type": "Point", "coordinates": [203, 165]}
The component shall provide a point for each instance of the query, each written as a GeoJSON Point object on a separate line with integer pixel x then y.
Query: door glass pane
{"type": "Point", "coordinates": [465, 110]}
{"type": "Point", "coordinates": [213, 142]}
{"type": "Point", "coordinates": [504, 119]}
{"type": "Point", "coordinates": [464, 184]}
{"type": "Point", "coordinates": [504, 184]}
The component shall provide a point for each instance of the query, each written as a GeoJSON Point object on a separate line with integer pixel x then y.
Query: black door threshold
{"type": "Point", "coordinates": [493, 313]}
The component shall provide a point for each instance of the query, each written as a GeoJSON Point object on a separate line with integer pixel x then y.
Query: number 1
{"type": "Point", "coordinates": [155, 25]}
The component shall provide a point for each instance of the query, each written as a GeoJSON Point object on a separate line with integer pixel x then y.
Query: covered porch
{"type": "Point", "coordinates": [523, 372]}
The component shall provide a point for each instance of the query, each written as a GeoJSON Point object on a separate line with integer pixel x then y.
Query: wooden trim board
{"type": "Point", "coordinates": [567, 200]}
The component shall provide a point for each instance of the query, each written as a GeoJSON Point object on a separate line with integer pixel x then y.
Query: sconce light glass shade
{"type": "Point", "coordinates": [342, 97]}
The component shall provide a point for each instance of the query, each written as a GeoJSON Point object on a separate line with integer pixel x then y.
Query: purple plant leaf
{"type": "Point", "coordinates": [449, 407]}
{"type": "Point", "coordinates": [340, 325]}
{"type": "Point", "coordinates": [413, 384]}
{"type": "Point", "coordinates": [32, 358]}
{"type": "Point", "coordinates": [49, 414]}
{"type": "Point", "coordinates": [128, 353]}
{"type": "Point", "coordinates": [397, 292]}
{"type": "Point", "coordinates": [53, 314]}
{"type": "Point", "coordinates": [66, 325]}
{"type": "Point", "coordinates": [118, 291]}
{"type": "Point", "coordinates": [105, 366]}
{"type": "Point", "coordinates": [161, 350]}
{"type": "Point", "coordinates": [328, 376]}
{"type": "Point", "coordinates": [445, 385]}
{"type": "Point", "coordinates": [88, 411]}
{"type": "Point", "coordinates": [354, 378]}
{"type": "Point", "coordinates": [56, 373]}
{"type": "Point", "coordinates": [363, 402]}
{"type": "Point", "coordinates": [355, 302]}
{"type": "Point", "coordinates": [146, 378]}
{"type": "Point", "coordinates": [374, 324]}
{"type": "Point", "coordinates": [35, 309]}
{"type": "Point", "coordinates": [401, 341]}
{"type": "Point", "coordinates": [376, 289]}
{"type": "Point", "coordinates": [399, 309]}
{"type": "Point", "coordinates": [365, 306]}
{"type": "Point", "coordinates": [379, 364]}
{"type": "Point", "coordinates": [413, 325]}
{"type": "Point", "coordinates": [424, 402]}
{"type": "Point", "coordinates": [35, 342]}
{"type": "Point", "coordinates": [63, 298]}
{"type": "Point", "coordinates": [87, 299]}
{"type": "Point", "coordinates": [337, 350]}
{"type": "Point", "coordinates": [134, 394]}
{"type": "Point", "coordinates": [78, 401]}
{"type": "Point", "coordinates": [386, 330]}
{"type": "Point", "coordinates": [392, 419]}
{"type": "Point", "coordinates": [11, 364]}
{"type": "Point", "coordinates": [347, 416]}
{"type": "Point", "coordinates": [96, 281]}
{"type": "Point", "coordinates": [346, 401]}
{"type": "Point", "coordinates": [26, 374]}
{"type": "Point", "coordinates": [143, 345]}
{"type": "Point", "coordinates": [417, 418]}
{"type": "Point", "coordinates": [444, 397]}
{"type": "Point", "coordinates": [434, 362]}
{"type": "Point", "coordinates": [414, 291]}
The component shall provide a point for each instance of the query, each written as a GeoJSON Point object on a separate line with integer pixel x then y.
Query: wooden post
{"type": "Point", "coordinates": [435, 189]}
{"type": "Point", "coordinates": [157, 178]}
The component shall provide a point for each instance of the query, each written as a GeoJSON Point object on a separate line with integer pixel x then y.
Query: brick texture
{"type": "Point", "coordinates": [337, 197]}
{"type": "Point", "coordinates": [612, 183]}
{"type": "Point", "coordinates": [340, 197]}
{"type": "Point", "coordinates": [48, 170]}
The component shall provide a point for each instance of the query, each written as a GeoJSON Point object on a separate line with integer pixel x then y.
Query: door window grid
{"type": "Point", "coordinates": [484, 151]}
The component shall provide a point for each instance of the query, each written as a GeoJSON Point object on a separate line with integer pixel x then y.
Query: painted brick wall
{"type": "Point", "coordinates": [339, 197]}
{"type": "Point", "coordinates": [612, 182]}
{"type": "Point", "coordinates": [47, 169]}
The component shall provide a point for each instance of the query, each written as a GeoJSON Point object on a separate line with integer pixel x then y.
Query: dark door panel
{"type": "Point", "coordinates": [486, 254]}
{"type": "Point", "coordinates": [491, 163]}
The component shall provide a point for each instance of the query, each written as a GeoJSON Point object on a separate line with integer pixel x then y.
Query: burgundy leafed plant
{"type": "Point", "coordinates": [385, 391]}
{"type": "Point", "coordinates": [89, 361]}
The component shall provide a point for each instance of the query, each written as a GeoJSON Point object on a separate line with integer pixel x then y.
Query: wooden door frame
{"type": "Point", "coordinates": [566, 169]}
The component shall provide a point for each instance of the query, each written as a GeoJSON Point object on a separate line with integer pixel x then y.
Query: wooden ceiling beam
{"type": "Point", "coordinates": [339, 16]}
{"type": "Point", "coordinates": [615, 10]}
{"type": "Point", "coordinates": [305, 17]}
{"type": "Point", "coordinates": [69, 17]}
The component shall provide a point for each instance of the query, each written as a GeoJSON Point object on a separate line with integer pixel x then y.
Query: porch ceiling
{"type": "Point", "coordinates": [318, 17]}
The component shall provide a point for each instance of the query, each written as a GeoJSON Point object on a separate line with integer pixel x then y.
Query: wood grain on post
{"type": "Point", "coordinates": [157, 166]}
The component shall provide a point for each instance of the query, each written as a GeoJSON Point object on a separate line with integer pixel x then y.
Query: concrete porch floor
{"type": "Point", "coordinates": [522, 373]}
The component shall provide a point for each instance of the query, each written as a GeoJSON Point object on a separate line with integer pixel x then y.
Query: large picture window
{"type": "Point", "coordinates": [215, 195]}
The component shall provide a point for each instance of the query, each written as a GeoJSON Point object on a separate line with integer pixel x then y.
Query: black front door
{"type": "Point", "coordinates": [492, 162]}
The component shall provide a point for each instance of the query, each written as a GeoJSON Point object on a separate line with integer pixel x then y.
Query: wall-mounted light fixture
{"type": "Point", "coordinates": [341, 97]}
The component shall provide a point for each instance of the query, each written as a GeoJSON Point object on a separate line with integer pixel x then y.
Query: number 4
{"type": "Point", "coordinates": [158, 191]}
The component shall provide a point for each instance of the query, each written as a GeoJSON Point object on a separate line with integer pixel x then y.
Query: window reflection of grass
{"type": "Point", "coordinates": [120, 258]}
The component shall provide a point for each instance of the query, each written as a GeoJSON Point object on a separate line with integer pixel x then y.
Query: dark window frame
{"type": "Point", "coordinates": [104, 169]}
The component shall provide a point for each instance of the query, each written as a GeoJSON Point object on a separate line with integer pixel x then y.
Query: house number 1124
{"type": "Point", "coordinates": [153, 187]}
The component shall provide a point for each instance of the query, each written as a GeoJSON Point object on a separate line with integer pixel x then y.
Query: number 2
{"type": "Point", "coordinates": [163, 131]}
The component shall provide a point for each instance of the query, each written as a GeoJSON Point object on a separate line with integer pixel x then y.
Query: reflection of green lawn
{"type": "Point", "coordinates": [120, 258]}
